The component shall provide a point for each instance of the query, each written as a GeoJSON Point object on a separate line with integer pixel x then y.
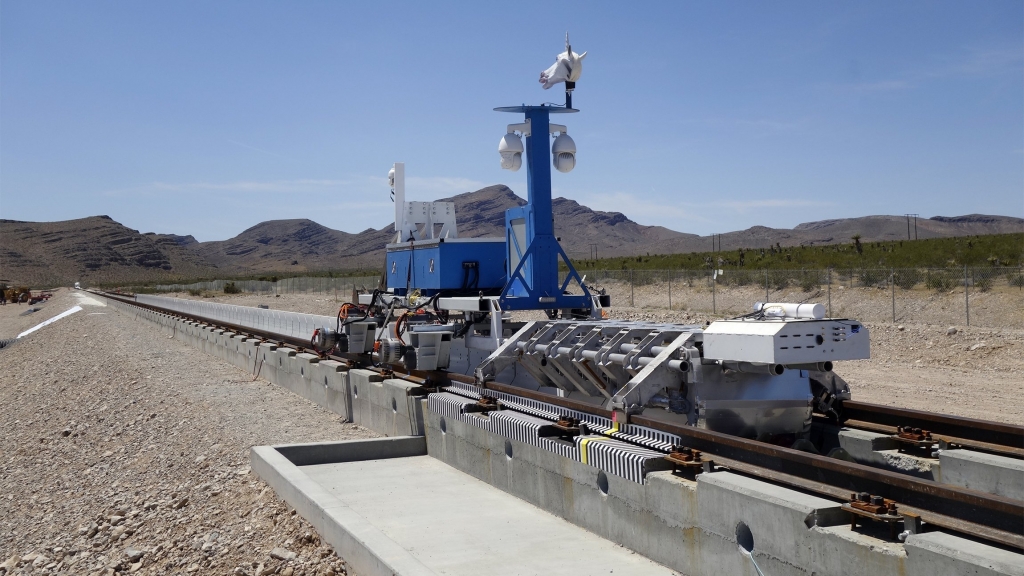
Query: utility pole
{"type": "Point", "coordinates": [909, 216]}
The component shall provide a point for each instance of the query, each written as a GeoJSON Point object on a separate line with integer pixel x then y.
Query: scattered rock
{"type": "Point", "coordinates": [11, 563]}
{"type": "Point", "coordinates": [133, 554]}
{"type": "Point", "coordinates": [976, 346]}
{"type": "Point", "coordinates": [901, 328]}
{"type": "Point", "coordinates": [951, 331]}
{"type": "Point", "coordinates": [282, 554]}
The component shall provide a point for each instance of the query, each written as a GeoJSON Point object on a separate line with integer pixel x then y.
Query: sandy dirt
{"type": "Point", "coordinates": [124, 451]}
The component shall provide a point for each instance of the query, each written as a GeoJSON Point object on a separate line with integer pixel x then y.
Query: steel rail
{"type": "Point", "coordinates": [997, 449]}
{"type": "Point", "coordinates": [967, 506]}
{"type": "Point", "coordinates": [416, 377]}
{"type": "Point", "coordinates": [995, 518]}
{"type": "Point", "coordinates": [954, 427]}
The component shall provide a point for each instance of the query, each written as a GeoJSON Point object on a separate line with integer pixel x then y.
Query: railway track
{"type": "Point", "coordinates": [990, 517]}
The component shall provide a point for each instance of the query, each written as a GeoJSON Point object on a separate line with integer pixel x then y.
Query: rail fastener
{"type": "Point", "coordinates": [875, 508]}
{"type": "Point", "coordinates": [485, 405]}
{"type": "Point", "coordinates": [914, 439]}
{"type": "Point", "coordinates": [565, 427]}
{"type": "Point", "coordinates": [689, 460]}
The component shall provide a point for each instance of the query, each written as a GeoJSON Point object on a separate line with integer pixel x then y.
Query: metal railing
{"type": "Point", "coordinates": [342, 286]}
{"type": "Point", "coordinates": [293, 324]}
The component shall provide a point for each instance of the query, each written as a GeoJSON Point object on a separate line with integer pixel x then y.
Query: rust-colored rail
{"type": "Point", "coordinates": [954, 427]}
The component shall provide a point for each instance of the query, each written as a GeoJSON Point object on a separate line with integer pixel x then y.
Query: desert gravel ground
{"type": "Point", "coordinates": [16, 318]}
{"type": "Point", "coordinates": [124, 451]}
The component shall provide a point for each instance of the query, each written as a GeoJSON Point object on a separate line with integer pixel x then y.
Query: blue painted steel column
{"type": "Point", "coordinates": [544, 267]}
{"type": "Point", "coordinates": [538, 176]}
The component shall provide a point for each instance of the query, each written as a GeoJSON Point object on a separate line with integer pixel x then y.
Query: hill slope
{"type": "Point", "coordinates": [101, 250]}
{"type": "Point", "coordinates": [292, 246]}
{"type": "Point", "coordinates": [95, 248]}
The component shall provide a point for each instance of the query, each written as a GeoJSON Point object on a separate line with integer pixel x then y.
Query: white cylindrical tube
{"type": "Point", "coordinates": [791, 310]}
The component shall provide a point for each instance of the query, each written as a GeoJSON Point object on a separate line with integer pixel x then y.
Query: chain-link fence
{"type": "Point", "coordinates": [989, 296]}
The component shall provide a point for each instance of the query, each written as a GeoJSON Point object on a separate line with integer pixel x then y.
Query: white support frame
{"type": "Point", "coordinates": [416, 220]}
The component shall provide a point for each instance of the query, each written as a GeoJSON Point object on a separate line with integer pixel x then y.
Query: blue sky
{"type": "Point", "coordinates": [206, 118]}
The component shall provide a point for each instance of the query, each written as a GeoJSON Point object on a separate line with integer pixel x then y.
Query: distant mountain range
{"type": "Point", "coordinates": [98, 249]}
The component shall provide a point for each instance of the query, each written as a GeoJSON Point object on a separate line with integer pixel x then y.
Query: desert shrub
{"type": "Point", "coordinates": [873, 277]}
{"type": "Point", "coordinates": [983, 280]}
{"type": "Point", "coordinates": [231, 288]}
{"type": "Point", "coordinates": [907, 278]}
{"type": "Point", "coordinates": [810, 281]}
{"type": "Point", "coordinates": [739, 278]}
{"type": "Point", "coordinates": [1017, 280]}
{"type": "Point", "coordinates": [194, 291]}
{"type": "Point", "coordinates": [940, 281]}
{"type": "Point", "coordinates": [778, 280]}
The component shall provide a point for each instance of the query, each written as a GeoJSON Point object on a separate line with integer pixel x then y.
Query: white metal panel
{"type": "Point", "coordinates": [786, 341]}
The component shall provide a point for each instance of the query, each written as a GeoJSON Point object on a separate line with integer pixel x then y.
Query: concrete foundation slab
{"type": "Point", "coordinates": [416, 515]}
{"type": "Point", "coordinates": [881, 451]}
{"type": "Point", "coordinates": [940, 554]}
{"type": "Point", "coordinates": [986, 472]}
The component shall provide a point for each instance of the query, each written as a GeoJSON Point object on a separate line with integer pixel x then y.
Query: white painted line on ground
{"type": "Point", "coordinates": [51, 320]}
{"type": "Point", "coordinates": [88, 300]}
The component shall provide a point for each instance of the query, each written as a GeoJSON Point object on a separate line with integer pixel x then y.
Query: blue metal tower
{"type": "Point", "coordinates": [533, 252]}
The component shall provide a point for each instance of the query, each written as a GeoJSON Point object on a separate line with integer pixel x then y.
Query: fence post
{"type": "Point", "coordinates": [765, 285]}
{"type": "Point", "coordinates": [892, 284]}
{"type": "Point", "coordinates": [967, 299]}
{"type": "Point", "coordinates": [829, 272]}
{"type": "Point", "coordinates": [631, 304]}
{"type": "Point", "coordinates": [714, 282]}
{"type": "Point", "coordinates": [670, 289]}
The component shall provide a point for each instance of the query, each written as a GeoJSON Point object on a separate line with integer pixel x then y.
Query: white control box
{"type": "Point", "coordinates": [786, 341]}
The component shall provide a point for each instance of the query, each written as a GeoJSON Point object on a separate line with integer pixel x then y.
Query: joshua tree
{"type": "Point", "coordinates": [857, 244]}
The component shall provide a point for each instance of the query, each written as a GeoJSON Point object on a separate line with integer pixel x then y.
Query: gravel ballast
{"type": "Point", "coordinates": [124, 451]}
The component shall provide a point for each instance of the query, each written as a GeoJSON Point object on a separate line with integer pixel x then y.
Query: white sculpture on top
{"type": "Point", "coordinates": [567, 67]}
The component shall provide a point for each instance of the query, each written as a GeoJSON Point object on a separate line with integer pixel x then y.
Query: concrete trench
{"type": "Point", "coordinates": [687, 526]}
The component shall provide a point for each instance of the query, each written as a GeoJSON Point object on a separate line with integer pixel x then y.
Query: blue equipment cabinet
{"type": "Point", "coordinates": [468, 265]}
